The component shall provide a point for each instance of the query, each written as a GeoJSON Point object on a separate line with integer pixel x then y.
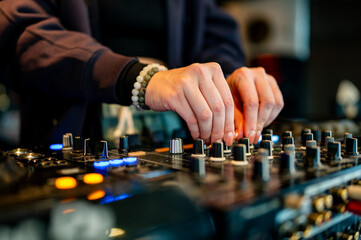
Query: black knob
{"type": "Point", "coordinates": [286, 134]}
{"type": "Point", "coordinates": [306, 137]}
{"type": "Point", "coordinates": [311, 143]}
{"type": "Point", "coordinates": [313, 157]}
{"type": "Point", "coordinates": [324, 135]}
{"type": "Point", "coordinates": [217, 148]}
{"type": "Point", "coordinates": [123, 144]}
{"type": "Point", "coordinates": [267, 144]}
{"type": "Point", "coordinates": [239, 154]}
{"type": "Point", "coordinates": [78, 144]}
{"type": "Point", "coordinates": [317, 135]}
{"type": "Point", "coordinates": [286, 141]}
{"type": "Point", "coordinates": [198, 166]}
{"type": "Point", "coordinates": [267, 131]}
{"type": "Point", "coordinates": [351, 147]}
{"type": "Point", "coordinates": [289, 147]}
{"type": "Point", "coordinates": [288, 163]}
{"type": "Point", "coordinates": [198, 148]}
{"type": "Point", "coordinates": [226, 149]}
{"type": "Point", "coordinates": [329, 139]}
{"type": "Point", "coordinates": [267, 137]}
{"type": "Point", "coordinates": [101, 150]}
{"type": "Point", "coordinates": [345, 136]}
{"type": "Point", "coordinates": [334, 151]}
{"type": "Point", "coordinates": [245, 141]}
{"type": "Point", "coordinates": [261, 166]}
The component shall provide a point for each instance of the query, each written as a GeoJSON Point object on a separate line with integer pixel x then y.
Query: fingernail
{"type": "Point", "coordinates": [259, 133]}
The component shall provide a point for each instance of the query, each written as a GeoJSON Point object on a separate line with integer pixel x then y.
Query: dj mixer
{"type": "Point", "coordinates": [288, 186]}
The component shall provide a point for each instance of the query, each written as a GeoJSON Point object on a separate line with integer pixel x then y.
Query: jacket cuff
{"type": "Point", "coordinates": [126, 81]}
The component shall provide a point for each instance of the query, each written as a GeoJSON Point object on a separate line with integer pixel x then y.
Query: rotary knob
{"type": "Point", "coordinates": [218, 154]}
{"type": "Point", "coordinates": [78, 144]}
{"type": "Point", "coordinates": [198, 148]}
{"type": "Point", "coordinates": [288, 163]}
{"type": "Point", "coordinates": [101, 150]}
{"type": "Point", "coordinates": [123, 144]}
{"type": "Point", "coordinates": [67, 141]}
{"type": "Point", "coordinates": [311, 143]}
{"type": "Point", "coordinates": [267, 137]}
{"type": "Point", "coordinates": [245, 141]}
{"type": "Point", "coordinates": [351, 147]}
{"type": "Point", "coordinates": [306, 137]}
{"type": "Point", "coordinates": [334, 151]}
{"type": "Point", "coordinates": [324, 135]}
{"type": "Point", "coordinates": [175, 146]}
{"type": "Point", "coordinates": [313, 157]}
{"type": "Point", "coordinates": [267, 144]}
{"type": "Point", "coordinates": [287, 141]}
{"type": "Point", "coordinates": [286, 134]}
{"type": "Point", "coordinates": [261, 166]}
{"type": "Point", "coordinates": [239, 155]}
{"type": "Point", "coordinates": [267, 131]}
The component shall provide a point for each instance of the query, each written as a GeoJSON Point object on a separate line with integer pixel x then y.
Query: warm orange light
{"type": "Point", "coordinates": [96, 195]}
{"type": "Point", "coordinates": [65, 183]}
{"type": "Point", "coordinates": [93, 178]}
{"type": "Point", "coordinates": [68, 210]}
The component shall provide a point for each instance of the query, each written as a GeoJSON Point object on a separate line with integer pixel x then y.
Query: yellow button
{"type": "Point", "coordinates": [93, 178]}
{"type": "Point", "coordinates": [65, 183]}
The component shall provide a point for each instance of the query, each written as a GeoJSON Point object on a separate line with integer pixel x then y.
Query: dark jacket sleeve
{"type": "Point", "coordinates": [41, 51]}
{"type": "Point", "coordinates": [222, 42]}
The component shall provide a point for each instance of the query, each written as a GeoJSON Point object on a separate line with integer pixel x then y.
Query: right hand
{"type": "Point", "coordinates": [200, 94]}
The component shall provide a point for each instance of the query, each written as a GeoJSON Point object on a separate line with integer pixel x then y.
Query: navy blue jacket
{"type": "Point", "coordinates": [47, 55]}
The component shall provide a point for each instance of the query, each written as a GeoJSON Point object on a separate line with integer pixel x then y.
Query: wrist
{"type": "Point", "coordinates": [141, 83]}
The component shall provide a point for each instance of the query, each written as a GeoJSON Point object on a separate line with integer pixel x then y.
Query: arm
{"type": "Point", "coordinates": [42, 54]}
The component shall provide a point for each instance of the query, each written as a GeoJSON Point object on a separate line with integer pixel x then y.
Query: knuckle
{"type": "Point", "coordinates": [215, 66]}
{"type": "Point", "coordinates": [228, 103]}
{"type": "Point", "coordinates": [280, 105]}
{"type": "Point", "coordinates": [205, 115]}
{"type": "Point", "coordinates": [269, 104]}
{"type": "Point", "coordinates": [252, 104]}
{"type": "Point", "coordinates": [218, 107]}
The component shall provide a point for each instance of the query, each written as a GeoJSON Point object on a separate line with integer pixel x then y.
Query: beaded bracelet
{"type": "Point", "coordinates": [138, 92]}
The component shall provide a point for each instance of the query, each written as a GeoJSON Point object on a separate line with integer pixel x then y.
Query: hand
{"type": "Point", "coordinates": [258, 100]}
{"type": "Point", "coordinates": [200, 95]}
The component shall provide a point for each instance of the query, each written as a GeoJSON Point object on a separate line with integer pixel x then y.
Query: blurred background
{"type": "Point", "coordinates": [311, 47]}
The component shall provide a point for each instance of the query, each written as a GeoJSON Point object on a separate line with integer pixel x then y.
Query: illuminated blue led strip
{"type": "Point", "coordinates": [116, 162]}
{"type": "Point", "coordinates": [109, 199]}
{"type": "Point", "coordinates": [56, 146]}
{"type": "Point", "coordinates": [275, 138]}
{"type": "Point", "coordinates": [130, 160]}
{"type": "Point", "coordinates": [101, 165]}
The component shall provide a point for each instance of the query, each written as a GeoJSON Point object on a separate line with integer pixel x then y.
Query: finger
{"type": "Point", "coordinates": [266, 98]}
{"type": "Point", "coordinates": [248, 93]}
{"type": "Point", "coordinates": [215, 103]}
{"type": "Point", "coordinates": [181, 106]}
{"type": "Point", "coordinates": [225, 93]}
{"type": "Point", "coordinates": [200, 108]}
{"type": "Point", "coordinates": [238, 121]}
{"type": "Point", "coordinates": [278, 100]}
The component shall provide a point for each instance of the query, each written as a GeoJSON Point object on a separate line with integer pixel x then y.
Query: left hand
{"type": "Point", "coordinates": [258, 100]}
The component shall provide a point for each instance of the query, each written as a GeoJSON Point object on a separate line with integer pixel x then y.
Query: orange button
{"type": "Point", "coordinates": [96, 195]}
{"type": "Point", "coordinates": [93, 178]}
{"type": "Point", "coordinates": [65, 183]}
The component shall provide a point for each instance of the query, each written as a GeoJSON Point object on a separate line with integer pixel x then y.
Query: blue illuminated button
{"type": "Point", "coordinates": [130, 160]}
{"type": "Point", "coordinates": [56, 146]}
{"type": "Point", "coordinates": [116, 162]}
{"type": "Point", "coordinates": [101, 164]}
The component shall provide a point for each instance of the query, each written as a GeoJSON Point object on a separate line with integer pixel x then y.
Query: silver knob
{"type": "Point", "coordinates": [175, 146]}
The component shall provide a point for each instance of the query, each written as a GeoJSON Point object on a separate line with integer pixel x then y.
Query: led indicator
{"type": "Point", "coordinates": [56, 147]}
{"type": "Point", "coordinates": [93, 178]}
{"type": "Point", "coordinates": [275, 138]}
{"type": "Point", "coordinates": [96, 195]}
{"type": "Point", "coordinates": [116, 162]}
{"type": "Point", "coordinates": [130, 160]}
{"type": "Point", "coordinates": [65, 183]}
{"type": "Point", "coordinates": [101, 165]}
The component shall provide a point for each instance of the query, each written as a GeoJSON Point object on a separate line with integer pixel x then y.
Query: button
{"type": "Point", "coordinates": [93, 178]}
{"type": "Point", "coordinates": [65, 183]}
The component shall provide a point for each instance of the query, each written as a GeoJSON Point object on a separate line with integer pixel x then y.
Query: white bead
{"type": "Point", "coordinates": [143, 73]}
{"type": "Point", "coordinates": [135, 98]}
{"type": "Point", "coordinates": [137, 85]}
{"type": "Point", "coordinates": [140, 79]}
{"type": "Point", "coordinates": [135, 92]}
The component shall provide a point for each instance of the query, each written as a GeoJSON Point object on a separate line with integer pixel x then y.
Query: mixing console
{"type": "Point", "coordinates": [285, 187]}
